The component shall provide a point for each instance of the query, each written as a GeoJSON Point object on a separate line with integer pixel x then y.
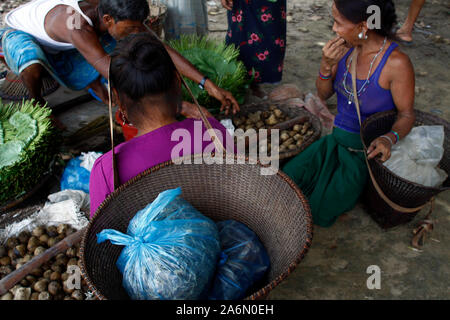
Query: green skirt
{"type": "Point", "coordinates": [331, 173]}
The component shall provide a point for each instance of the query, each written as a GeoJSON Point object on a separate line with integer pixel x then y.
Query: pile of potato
{"type": "Point", "coordinates": [260, 119]}
{"type": "Point", "coordinates": [48, 282]}
{"type": "Point", "coordinates": [290, 139]}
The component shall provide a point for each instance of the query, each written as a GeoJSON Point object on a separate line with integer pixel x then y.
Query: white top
{"type": "Point", "coordinates": [30, 18]}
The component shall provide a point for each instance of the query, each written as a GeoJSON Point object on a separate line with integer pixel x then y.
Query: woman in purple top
{"type": "Point", "coordinates": [148, 92]}
{"type": "Point", "coordinates": [332, 172]}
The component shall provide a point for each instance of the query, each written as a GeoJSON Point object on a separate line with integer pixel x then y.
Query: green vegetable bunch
{"type": "Point", "coordinates": [28, 144]}
{"type": "Point", "coordinates": [217, 61]}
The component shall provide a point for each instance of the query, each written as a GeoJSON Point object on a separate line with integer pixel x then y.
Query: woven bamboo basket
{"type": "Point", "coordinates": [293, 112]}
{"type": "Point", "coordinates": [12, 88]}
{"type": "Point", "coordinates": [405, 193]}
{"type": "Point", "coordinates": [272, 206]}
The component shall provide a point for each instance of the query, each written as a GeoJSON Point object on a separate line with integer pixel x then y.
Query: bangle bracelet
{"type": "Point", "coordinates": [397, 137]}
{"type": "Point", "coordinates": [201, 85]}
{"type": "Point", "coordinates": [321, 76]}
{"type": "Point", "coordinates": [387, 137]}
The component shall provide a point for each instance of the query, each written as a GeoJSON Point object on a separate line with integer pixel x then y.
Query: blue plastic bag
{"type": "Point", "coordinates": [243, 261]}
{"type": "Point", "coordinates": [171, 250]}
{"type": "Point", "coordinates": [75, 177]}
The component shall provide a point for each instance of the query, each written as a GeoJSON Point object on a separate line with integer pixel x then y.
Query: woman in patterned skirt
{"type": "Point", "coordinates": [258, 29]}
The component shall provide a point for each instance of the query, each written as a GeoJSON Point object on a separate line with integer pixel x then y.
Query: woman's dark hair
{"type": "Point", "coordinates": [356, 12]}
{"type": "Point", "coordinates": [135, 10]}
{"type": "Point", "coordinates": [141, 66]}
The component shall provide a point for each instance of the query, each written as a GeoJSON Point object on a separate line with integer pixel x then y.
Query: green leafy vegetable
{"type": "Point", "coordinates": [10, 153]}
{"type": "Point", "coordinates": [217, 61]}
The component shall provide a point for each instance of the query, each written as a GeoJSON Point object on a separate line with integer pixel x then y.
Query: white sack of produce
{"type": "Point", "coordinates": [416, 157]}
{"type": "Point", "coordinates": [63, 207]}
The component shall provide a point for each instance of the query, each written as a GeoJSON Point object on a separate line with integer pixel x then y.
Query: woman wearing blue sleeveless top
{"type": "Point", "coordinates": [332, 172]}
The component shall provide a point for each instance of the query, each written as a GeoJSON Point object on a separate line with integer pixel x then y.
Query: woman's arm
{"type": "Point", "coordinates": [332, 53]}
{"type": "Point", "coordinates": [402, 86]}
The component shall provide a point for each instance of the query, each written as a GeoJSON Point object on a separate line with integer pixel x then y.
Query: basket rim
{"type": "Point", "coordinates": [257, 295]}
{"type": "Point", "coordinates": [383, 114]}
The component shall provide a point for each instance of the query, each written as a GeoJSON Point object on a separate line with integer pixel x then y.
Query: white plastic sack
{"type": "Point", "coordinates": [228, 124]}
{"type": "Point", "coordinates": [63, 207]}
{"type": "Point", "coordinates": [88, 159]}
{"type": "Point", "coordinates": [416, 157]}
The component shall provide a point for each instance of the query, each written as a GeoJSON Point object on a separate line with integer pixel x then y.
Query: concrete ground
{"type": "Point", "coordinates": [336, 265]}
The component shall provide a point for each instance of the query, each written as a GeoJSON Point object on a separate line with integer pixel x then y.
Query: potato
{"type": "Point", "coordinates": [272, 120]}
{"type": "Point", "coordinates": [292, 147]}
{"type": "Point", "coordinates": [44, 295]}
{"type": "Point", "coordinates": [299, 143]}
{"type": "Point", "coordinates": [23, 237]}
{"type": "Point", "coordinates": [272, 107]}
{"type": "Point", "coordinates": [237, 122]}
{"type": "Point", "coordinates": [278, 113]}
{"type": "Point", "coordinates": [248, 127]}
{"type": "Point", "coordinates": [27, 258]}
{"type": "Point", "coordinates": [72, 261]}
{"type": "Point", "coordinates": [41, 285]}
{"type": "Point", "coordinates": [71, 252]}
{"type": "Point", "coordinates": [7, 296]}
{"type": "Point", "coordinates": [62, 261]}
{"type": "Point", "coordinates": [12, 254]}
{"type": "Point", "coordinates": [22, 294]}
{"type": "Point", "coordinates": [56, 268]}
{"type": "Point", "coordinates": [248, 122]}
{"type": "Point", "coordinates": [38, 231]}
{"type": "Point", "coordinates": [297, 137]}
{"type": "Point", "coordinates": [60, 237]}
{"type": "Point", "coordinates": [39, 250]}
{"type": "Point", "coordinates": [55, 276]}
{"type": "Point", "coordinates": [308, 133]}
{"type": "Point", "coordinates": [64, 276]}
{"type": "Point", "coordinates": [37, 272]}
{"type": "Point", "coordinates": [259, 124]}
{"type": "Point", "coordinates": [5, 261]}
{"type": "Point", "coordinates": [44, 239]}
{"type": "Point", "coordinates": [24, 282]}
{"type": "Point", "coordinates": [5, 270]}
{"type": "Point", "coordinates": [34, 296]}
{"type": "Point", "coordinates": [33, 243]}
{"type": "Point", "coordinates": [54, 288]}
{"type": "Point", "coordinates": [31, 279]}
{"type": "Point", "coordinates": [284, 136]}
{"type": "Point", "coordinates": [52, 231]}
{"type": "Point", "coordinates": [282, 148]}
{"type": "Point", "coordinates": [289, 141]}
{"type": "Point", "coordinates": [60, 256]}
{"type": "Point", "coordinates": [47, 274]}
{"type": "Point", "coordinates": [20, 250]}
{"type": "Point", "coordinates": [297, 128]}
{"type": "Point", "coordinates": [51, 242]}
{"type": "Point", "coordinates": [62, 228]}
{"type": "Point", "coordinates": [77, 295]}
{"type": "Point", "coordinates": [12, 242]}
{"type": "Point", "coordinates": [3, 251]}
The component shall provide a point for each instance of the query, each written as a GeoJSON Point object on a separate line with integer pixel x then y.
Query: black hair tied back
{"type": "Point", "coordinates": [141, 66]}
{"type": "Point", "coordinates": [356, 12]}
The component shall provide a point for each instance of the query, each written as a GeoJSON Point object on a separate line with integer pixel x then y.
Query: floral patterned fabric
{"type": "Point", "coordinates": [258, 29]}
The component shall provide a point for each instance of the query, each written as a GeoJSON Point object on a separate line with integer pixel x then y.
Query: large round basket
{"type": "Point", "coordinates": [271, 205]}
{"type": "Point", "coordinates": [405, 193]}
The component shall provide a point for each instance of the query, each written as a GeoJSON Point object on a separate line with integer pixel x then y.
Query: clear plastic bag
{"type": "Point", "coordinates": [170, 253]}
{"type": "Point", "coordinates": [243, 261]}
{"type": "Point", "coordinates": [416, 157]}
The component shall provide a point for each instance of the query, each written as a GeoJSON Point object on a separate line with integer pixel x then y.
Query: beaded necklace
{"type": "Point", "coordinates": [364, 86]}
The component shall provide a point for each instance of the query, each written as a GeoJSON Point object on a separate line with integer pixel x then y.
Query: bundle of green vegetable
{"type": "Point", "coordinates": [217, 61]}
{"type": "Point", "coordinates": [28, 144]}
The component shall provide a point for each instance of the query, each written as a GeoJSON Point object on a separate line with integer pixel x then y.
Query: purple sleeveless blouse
{"type": "Point", "coordinates": [372, 100]}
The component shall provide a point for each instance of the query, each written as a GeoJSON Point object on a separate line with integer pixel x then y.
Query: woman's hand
{"type": "Point", "coordinates": [380, 145]}
{"type": "Point", "coordinates": [227, 4]}
{"type": "Point", "coordinates": [225, 97]}
{"type": "Point", "coordinates": [190, 110]}
{"type": "Point", "coordinates": [332, 53]}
